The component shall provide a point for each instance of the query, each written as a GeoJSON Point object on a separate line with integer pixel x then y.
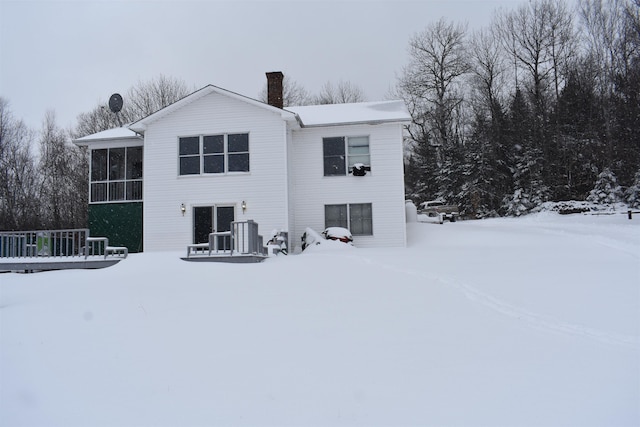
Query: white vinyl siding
{"type": "Point", "coordinates": [383, 189]}
{"type": "Point", "coordinates": [263, 188]}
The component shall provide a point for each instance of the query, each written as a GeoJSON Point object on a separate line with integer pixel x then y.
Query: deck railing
{"type": "Point", "coordinates": [242, 239]}
{"type": "Point", "coordinates": [55, 243]}
{"type": "Point", "coordinates": [19, 244]}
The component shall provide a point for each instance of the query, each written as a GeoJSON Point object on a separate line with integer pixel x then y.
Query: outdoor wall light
{"type": "Point", "coordinates": [183, 209]}
{"type": "Point", "coordinates": [244, 206]}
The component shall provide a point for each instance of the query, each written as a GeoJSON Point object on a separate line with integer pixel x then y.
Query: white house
{"type": "Point", "coordinates": [215, 156]}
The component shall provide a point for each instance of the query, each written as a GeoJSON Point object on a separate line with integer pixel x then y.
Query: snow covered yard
{"type": "Point", "coordinates": [532, 321]}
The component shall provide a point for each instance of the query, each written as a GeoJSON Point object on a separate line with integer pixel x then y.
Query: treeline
{"type": "Point", "coordinates": [44, 176]}
{"type": "Point", "coordinates": [541, 105]}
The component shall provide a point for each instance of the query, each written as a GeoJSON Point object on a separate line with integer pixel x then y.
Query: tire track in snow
{"type": "Point", "coordinates": [538, 320]}
{"type": "Point", "coordinates": [530, 318]}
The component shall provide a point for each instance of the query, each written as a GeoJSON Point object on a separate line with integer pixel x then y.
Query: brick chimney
{"type": "Point", "coordinates": [274, 89]}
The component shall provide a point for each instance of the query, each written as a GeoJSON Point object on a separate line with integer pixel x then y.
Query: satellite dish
{"type": "Point", "coordinates": [115, 103]}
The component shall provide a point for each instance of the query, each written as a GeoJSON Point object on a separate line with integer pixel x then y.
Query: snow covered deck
{"type": "Point", "coordinates": [241, 244]}
{"type": "Point", "coordinates": [31, 264]}
{"type": "Point", "coordinates": [43, 250]}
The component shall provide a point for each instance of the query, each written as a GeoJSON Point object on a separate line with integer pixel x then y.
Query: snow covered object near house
{"type": "Point", "coordinates": [216, 157]}
{"type": "Point", "coordinates": [438, 208]}
{"type": "Point", "coordinates": [339, 234]}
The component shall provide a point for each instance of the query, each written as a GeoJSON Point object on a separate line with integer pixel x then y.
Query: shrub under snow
{"type": "Point", "coordinates": [606, 190]}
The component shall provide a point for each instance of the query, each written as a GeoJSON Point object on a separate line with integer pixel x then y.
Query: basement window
{"type": "Point", "coordinates": [356, 217]}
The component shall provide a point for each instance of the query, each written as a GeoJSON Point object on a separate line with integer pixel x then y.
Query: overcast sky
{"type": "Point", "coordinates": [67, 56]}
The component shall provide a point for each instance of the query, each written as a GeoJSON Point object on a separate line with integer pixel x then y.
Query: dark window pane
{"type": "Point", "coordinates": [214, 164]}
{"type": "Point", "coordinates": [116, 191]}
{"type": "Point", "coordinates": [361, 223]}
{"type": "Point", "coordinates": [134, 190]}
{"type": "Point", "coordinates": [190, 145]}
{"type": "Point", "coordinates": [333, 146]}
{"type": "Point", "coordinates": [116, 163]}
{"type": "Point", "coordinates": [335, 216]}
{"type": "Point", "coordinates": [99, 192]}
{"type": "Point", "coordinates": [238, 162]}
{"type": "Point", "coordinates": [213, 144]}
{"type": "Point", "coordinates": [99, 165]}
{"type": "Point", "coordinates": [334, 156]}
{"type": "Point", "coordinates": [190, 165]}
{"type": "Point", "coordinates": [334, 166]}
{"type": "Point", "coordinates": [134, 162]}
{"type": "Point", "coordinates": [238, 143]}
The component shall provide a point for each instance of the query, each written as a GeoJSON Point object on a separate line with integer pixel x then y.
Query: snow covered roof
{"type": "Point", "coordinates": [141, 125]}
{"type": "Point", "coordinates": [306, 116]}
{"type": "Point", "coordinates": [343, 114]}
{"type": "Point", "coordinates": [109, 134]}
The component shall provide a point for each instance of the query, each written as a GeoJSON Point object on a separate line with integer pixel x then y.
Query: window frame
{"type": "Point", "coordinates": [349, 212]}
{"type": "Point", "coordinates": [346, 166]}
{"type": "Point", "coordinates": [116, 183]}
{"type": "Point", "coordinates": [207, 160]}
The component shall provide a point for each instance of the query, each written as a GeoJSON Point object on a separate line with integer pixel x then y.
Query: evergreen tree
{"type": "Point", "coordinates": [632, 195]}
{"type": "Point", "coordinates": [606, 191]}
{"type": "Point", "coordinates": [526, 159]}
{"type": "Point", "coordinates": [578, 121]}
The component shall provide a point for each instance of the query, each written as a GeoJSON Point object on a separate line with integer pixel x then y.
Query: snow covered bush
{"type": "Point", "coordinates": [518, 204]}
{"type": "Point", "coordinates": [606, 191]}
{"type": "Point", "coordinates": [632, 195]}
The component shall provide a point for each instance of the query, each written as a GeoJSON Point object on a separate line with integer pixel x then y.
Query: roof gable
{"type": "Point", "coordinates": [141, 125]}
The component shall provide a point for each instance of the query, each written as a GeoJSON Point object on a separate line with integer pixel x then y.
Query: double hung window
{"type": "Point", "coordinates": [342, 153]}
{"type": "Point", "coordinates": [116, 174]}
{"type": "Point", "coordinates": [357, 217]}
{"type": "Point", "coordinates": [214, 154]}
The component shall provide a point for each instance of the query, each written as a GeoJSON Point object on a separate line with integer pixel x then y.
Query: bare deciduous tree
{"type": "Point", "coordinates": [146, 98]}
{"type": "Point", "coordinates": [540, 38]}
{"type": "Point", "coordinates": [63, 178]}
{"type": "Point", "coordinates": [488, 68]}
{"type": "Point", "coordinates": [141, 100]}
{"type": "Point", "coordinates": [18, 175]}
{"type": "Point", "coordinates": [342, 93]}
{"type": "Point", "coordinates": [430, 84]}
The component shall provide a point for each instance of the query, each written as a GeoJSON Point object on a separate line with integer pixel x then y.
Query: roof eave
{"type": "Point", "coordinates": [363, 122]}
{"type": "Point", "coordinates": [85, 143]}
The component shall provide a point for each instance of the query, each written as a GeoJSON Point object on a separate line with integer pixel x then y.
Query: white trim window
{"type": "Point", "coordinates": [213, 154]}
{"type": "Point", "coordinates": [356, 217]}
{"type": "Point", "coordinates": [116, 175]}
{"type": "Point", "coordinates": [341, 153]}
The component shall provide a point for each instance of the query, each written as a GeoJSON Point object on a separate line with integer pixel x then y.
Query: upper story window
{"type": "Point", "coordinates": [116, 174]}
{"type": "Point", "coordinates": [214, 154]}
{"type": "Point", "coordinates": [341, 153]}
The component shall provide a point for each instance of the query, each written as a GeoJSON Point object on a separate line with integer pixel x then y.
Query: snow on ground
{"type": "Point", "coordinates": [503, 322]}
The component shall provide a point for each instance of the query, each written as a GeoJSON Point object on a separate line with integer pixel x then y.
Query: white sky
{"type": "Point", "coordinates": [69, 55]}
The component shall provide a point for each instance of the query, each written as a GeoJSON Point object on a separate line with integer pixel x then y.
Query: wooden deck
{"type": "Point", "coordinates": [32, 264]}
{"type": "Point", "coordinates": [45, 250]}
{"type": "Point", "coordinates": [235, 258]}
